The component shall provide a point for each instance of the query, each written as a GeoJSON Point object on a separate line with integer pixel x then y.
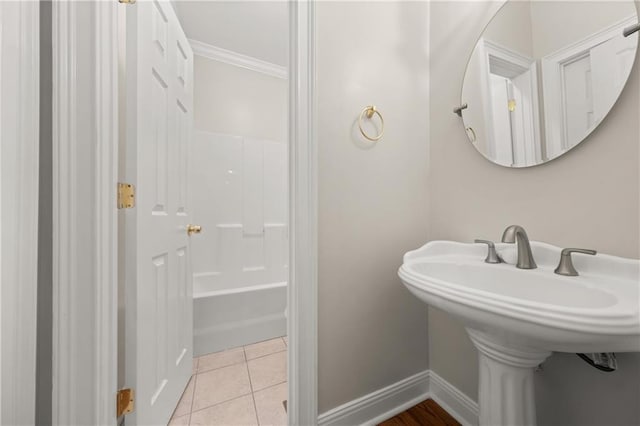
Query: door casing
{"type": "Point", "coordinates": [19, 161]}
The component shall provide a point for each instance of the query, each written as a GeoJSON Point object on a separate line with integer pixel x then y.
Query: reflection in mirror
{"type": "Point", "coordinates": [544, 75]}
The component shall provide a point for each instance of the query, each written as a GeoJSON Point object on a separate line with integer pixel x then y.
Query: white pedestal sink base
{"type": "Point", "coordinates": [506, 392]}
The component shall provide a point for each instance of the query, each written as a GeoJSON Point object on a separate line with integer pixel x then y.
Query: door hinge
{"type": "Point", "coordinates": [127, 1]}
{"type": "Point", "coordinates": [124, 402]}
{"type": "Point", "coordinates": [126, 196]}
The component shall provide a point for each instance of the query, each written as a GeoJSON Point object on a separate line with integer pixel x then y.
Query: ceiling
{"type": "Point", "coordinates": [254, 28]}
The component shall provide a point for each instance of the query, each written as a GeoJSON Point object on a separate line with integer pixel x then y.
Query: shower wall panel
{"type": "Point", "coordinates": [240, 198]}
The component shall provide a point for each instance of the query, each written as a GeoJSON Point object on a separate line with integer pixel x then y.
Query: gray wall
{"type": "Point", "coordinates": [44, 350]}
{"type": "Point", "coordinates": [587, 198]}
{"type": "Point", "coordinates": [372, 198]}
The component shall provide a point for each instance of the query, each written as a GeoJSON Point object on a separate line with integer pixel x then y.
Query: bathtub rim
{"type": "Point", "coordinates": [238, 290]}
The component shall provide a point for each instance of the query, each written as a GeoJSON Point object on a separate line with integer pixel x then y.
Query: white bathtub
{"type": "Point", "coordinates": [228, 318]}
{"type": "Point", "coordinates": [240, 261]}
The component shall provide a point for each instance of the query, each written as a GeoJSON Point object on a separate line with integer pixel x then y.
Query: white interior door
{"type": "Point", "coordinates": [578, 100]}
{"type": "Point", "coordinates": [159, 121]}
{"type": "Point", "coordinates": [611, 63]}
{"type": "Point", "coordinates": [523, 119]}
{"type": "Point", "coordinates": [518, 133]}
{"type": "Point", "coordinates": [502, 137]}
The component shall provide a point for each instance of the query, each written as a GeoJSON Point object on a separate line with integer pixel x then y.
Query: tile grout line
{"type": "Point", "coordinates": [253, 398]}
{"type": "Point", "coordinates": [221, 402]}
{"type": "Point", "coordinates": [195, 382]}
{"type": "Point", "coordinates": [270, 386]}
{"type": "Point", "coordinates": [193, 396]}
{"type": "Point", "coordinates": [272, 353]}
{"type": "Point", "coordinates": [233, 399]}
{"type": "Point", "coordinates": [252, 393]}
{"type": "Point", "coordinates": [173, 414]}
{"type": "Point", "coordinates": [236, 363]}
{"type": "Point", "coordinates": [246, 362]}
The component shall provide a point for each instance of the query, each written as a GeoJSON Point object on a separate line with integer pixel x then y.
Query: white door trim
{"type": "Point", "coordinates": [19, 160]}
{"type": "Point", "coordinates": [106, 102]}
{"type": "Point", "coordinates": [302, 326]}
{"type": "Point", "coordinates": [85, 237]}
{"type": "Point", "coordinates": [514, 61]}
{"type": "Point", "coordinates": [84, 214]}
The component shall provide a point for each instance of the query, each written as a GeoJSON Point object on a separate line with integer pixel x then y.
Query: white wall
{"type": "Point", "coordinates": [372, 197]}
{"type": "Point", "coordinates": [254, 28]}
{"type": "Point", "coordinates": [239, 177]}
{"type": "Point", "coordinates": [587, 198]}
{"type": "Point", "coordinates": [555, 26]}
{"type": "Point", "coordinates": [512, 27]}
{"type": "Point", "coordinates": [237, 101]}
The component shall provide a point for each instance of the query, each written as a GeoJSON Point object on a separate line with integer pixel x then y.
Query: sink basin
{"type": "Point", "coordinates": [517, 317]}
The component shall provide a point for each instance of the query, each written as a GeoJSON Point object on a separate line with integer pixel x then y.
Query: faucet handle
{"type": "Point", "coordinates": [492, 256]}
{"type": "Point", "coordinates": [565, 267]}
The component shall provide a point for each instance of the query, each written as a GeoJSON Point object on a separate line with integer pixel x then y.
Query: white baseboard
{"type": "Point", "coordinates": [379, 405]}
{"type": "Point", "coordinates": [385, 403]}
{"type": "Point", "coordinates": [460, 406]}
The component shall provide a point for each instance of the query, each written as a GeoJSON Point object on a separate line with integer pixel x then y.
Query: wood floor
{"type": "Point", "coordinates": [427, 413]}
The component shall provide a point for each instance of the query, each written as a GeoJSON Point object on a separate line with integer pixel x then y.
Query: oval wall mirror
{"type": "Point", "coordinates": [544, 75]}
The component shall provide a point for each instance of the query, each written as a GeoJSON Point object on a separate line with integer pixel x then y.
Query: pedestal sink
{"type": "Point", "coordinates": [516, 318]}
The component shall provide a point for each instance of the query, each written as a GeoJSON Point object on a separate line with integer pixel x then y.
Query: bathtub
{"type": "Point", "coordinates": [225, 318]}
{"type": "Point", "coordinates": [240, 261]}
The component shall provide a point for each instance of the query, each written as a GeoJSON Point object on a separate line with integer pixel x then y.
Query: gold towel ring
{"type": "Point", "coordinates": [370, 111]}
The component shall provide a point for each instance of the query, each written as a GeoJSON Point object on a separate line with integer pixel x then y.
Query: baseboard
{"type": "Point", "coordinates": [385, 403]}
{"type": "Point", "coordinates": [460, 406]}
{"type": "Point", "coordinates": [381, 404]}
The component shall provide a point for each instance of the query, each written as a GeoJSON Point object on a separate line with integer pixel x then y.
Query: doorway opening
{"type": "Point", "coordinates": [204, 123]}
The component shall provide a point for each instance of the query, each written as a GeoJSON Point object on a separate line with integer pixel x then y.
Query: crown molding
{"type": "Point", "coordinates": [233, 58]}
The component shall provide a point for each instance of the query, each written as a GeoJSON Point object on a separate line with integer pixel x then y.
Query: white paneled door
{"type": "Point", "coordinates": [578, 100]}
{"type": "Point", "coordinates": [159, 121]}
{"type": "Point", "coordinates": [610, 65]}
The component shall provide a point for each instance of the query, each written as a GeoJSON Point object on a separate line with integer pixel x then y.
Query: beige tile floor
{"type": "Point", "coordinates": [237, 387]}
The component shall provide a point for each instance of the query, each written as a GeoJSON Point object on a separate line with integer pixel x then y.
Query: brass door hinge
{"type": "Point", "coordinates": [126, 196]}
{"type": "Point", "coordinates": [124, 402]}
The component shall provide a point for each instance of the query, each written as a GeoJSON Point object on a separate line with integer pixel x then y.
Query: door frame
{"type": "Point", "coordinates": [514, 61]}
{"type": "Point", "coordinates": [302, 294]}
{"type": "Point", "coordinates": [19, 146]}
{"type": "Point", "coordinates": [84, 212]}
{"type": "Point", "coordinates": [85, 161]}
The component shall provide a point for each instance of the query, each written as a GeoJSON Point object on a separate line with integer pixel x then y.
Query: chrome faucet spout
{"type": "Point", "coordinates": [516, 233]}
